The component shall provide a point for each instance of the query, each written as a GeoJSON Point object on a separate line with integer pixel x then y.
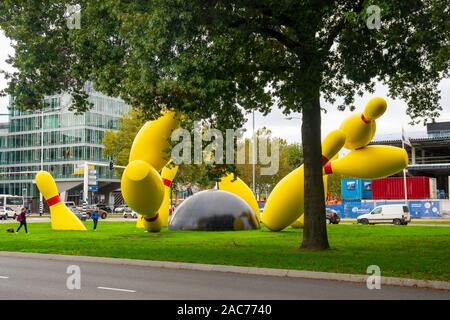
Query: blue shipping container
{"type": "Point", "coordinates": [356, 189]}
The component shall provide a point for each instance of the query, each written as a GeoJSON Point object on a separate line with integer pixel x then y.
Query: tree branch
{"type": "Point", "coordinates": [338, 28]}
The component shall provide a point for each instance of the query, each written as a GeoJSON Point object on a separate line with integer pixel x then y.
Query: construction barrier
{"type": "Point", "coordinates": [417, 208]}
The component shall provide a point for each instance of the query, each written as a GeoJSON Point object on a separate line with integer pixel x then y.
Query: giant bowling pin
{"type": "Point", "coordinates": [143, 192]}
{"type": "Point", "coordinates": [360, 128]}
{"type": "Point", "coordinates": [300, 222]}
{"type": "Point", "coordinates": [285, 203]}
{"type": "Point", "coordinates": [152, 141]}
{"type": "Point", "coordinates": [60, 216]}
{"type": "Point", "coordinates": [152, 224]}
{"type": "Point", "coordinates": [371, 162]}
{"type": "Point", "coordinates": [168, 173]}
{"type": "Point", "coordinates": [143, 186]}
{"type": "Point", "coordinates": [240, 188]}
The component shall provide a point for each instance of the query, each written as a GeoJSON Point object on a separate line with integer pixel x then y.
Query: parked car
{"type": "Point", "coordinates": [3, 215]}
{"type": "Point", "coordinates": [397, 214]}
{"type": "Point", "coordinates": [80, 215]}
{"type": "Point", "coordinates": [102, 213]}
{"type": "Point", "coordinates": [104, 207]}
{"type": "Point", "coordinates": [128, 213]}
{"type": "Point", "coordinates": [8, 213]}
{"type": "Point", "coordinates": [332, 216]}
{"type": "Point", "coordinates": [120, 209]}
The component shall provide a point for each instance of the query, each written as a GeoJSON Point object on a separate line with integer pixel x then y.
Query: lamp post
{"type": "Point", "coordinates": [254, 157]}
{"type": "Point", "coordinates": [41, 204]}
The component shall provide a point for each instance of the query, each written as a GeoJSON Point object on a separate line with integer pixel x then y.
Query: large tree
{"type": "Point", "coordinates": [210, 58]}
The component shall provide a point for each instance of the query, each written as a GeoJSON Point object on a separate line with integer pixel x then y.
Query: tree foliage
{"type": "Point", "coordinates": [204, 56]}
{"type": "Point", "coordinates": [290, 158]}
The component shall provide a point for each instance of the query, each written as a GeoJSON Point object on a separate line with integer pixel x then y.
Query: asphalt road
{"type": "Point", "coordinates": [31, 278]}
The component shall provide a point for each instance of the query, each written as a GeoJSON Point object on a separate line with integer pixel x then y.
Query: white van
{"type": "Point", "coordinates": [391, 213]}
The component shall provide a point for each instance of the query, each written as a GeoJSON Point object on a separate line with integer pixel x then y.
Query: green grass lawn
{"type": "Point", "coordinates": [419, 252]}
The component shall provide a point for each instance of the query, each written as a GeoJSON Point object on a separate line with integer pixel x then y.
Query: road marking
{"type": "Point", "coordinates": [3, 277]}
{"type": "Point", "coordinates": [116, 289]}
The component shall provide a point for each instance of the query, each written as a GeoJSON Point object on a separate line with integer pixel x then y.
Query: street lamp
{"type": "Point", "coordinates": [41, 204]}
{"type": "Point", "coordinates": [254, 156]}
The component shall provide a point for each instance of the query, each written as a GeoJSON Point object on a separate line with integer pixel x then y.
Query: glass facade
{"type": "Point", "coordinates": [65, 140]}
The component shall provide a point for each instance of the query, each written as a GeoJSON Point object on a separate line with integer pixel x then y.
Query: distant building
{"type": "Point", "coordinates": [67, 141]}
{"type": "Point", "coordinates": [429, 154]}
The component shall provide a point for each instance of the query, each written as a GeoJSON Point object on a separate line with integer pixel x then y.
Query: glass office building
{"type": "Point", "coordinates": [63, 138]}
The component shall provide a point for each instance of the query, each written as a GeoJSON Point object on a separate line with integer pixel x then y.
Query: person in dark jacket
{"type": "Point", "coordinates": [22, 218]}
{"type": "Point", "coordinates": [94, 216]}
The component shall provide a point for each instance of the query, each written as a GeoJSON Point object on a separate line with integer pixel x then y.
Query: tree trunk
{"type": "Point", "coordinates": [315, 229]}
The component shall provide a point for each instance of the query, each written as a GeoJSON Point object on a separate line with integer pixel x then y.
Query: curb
{"type": "Point", "coordinates": [356, 278]}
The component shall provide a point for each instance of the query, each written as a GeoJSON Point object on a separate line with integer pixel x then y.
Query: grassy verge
{"type": "Point", "coordinates": [430, 222]}
{"type": "Point", "coordinates": [420, 252]}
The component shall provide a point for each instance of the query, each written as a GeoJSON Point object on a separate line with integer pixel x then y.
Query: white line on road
{"type": "Point", "coordinates": [3, 277]}
{"type": "Point", "coordinates": [116, 289]}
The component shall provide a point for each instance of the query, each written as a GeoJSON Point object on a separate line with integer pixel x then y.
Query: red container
{"type": "Point", "coordinates": [393, 188]}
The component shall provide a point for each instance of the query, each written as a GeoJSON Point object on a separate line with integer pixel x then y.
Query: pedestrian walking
{"type": "Point", "coordinates": [22, 218]}
{"type": "Point", "coordinates": [189, 191]}
{"type": "Point", "coordinates": [94, 216]}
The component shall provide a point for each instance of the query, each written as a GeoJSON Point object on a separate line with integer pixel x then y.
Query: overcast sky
{"type": "Point", "coordinates": [391, 123]}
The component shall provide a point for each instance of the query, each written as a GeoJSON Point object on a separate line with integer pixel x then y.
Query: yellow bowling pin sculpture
{"type": "Point", "coordinates": [371, 162]}
{"type": "Point", "coordinates": [152, 141]}
{"type": "Point", "coordinates": [142, 186]}
{"type": "Point", "coordinates": [60, 216]}
{"type": "Point", "coordinates": [152, 224]}
{"type": "Point", "coordinates": [240, 189]}
{"type": "Point", "coordinates": [300, 222]}
{"type": "Point", "coordinates": [168, 173]}
{"type": "Point", "coordinates": [360, 128]}
{"type": "Point", "coordinates": [285, 203]}
{"type": "Point", "coordinates": [140, 222]}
